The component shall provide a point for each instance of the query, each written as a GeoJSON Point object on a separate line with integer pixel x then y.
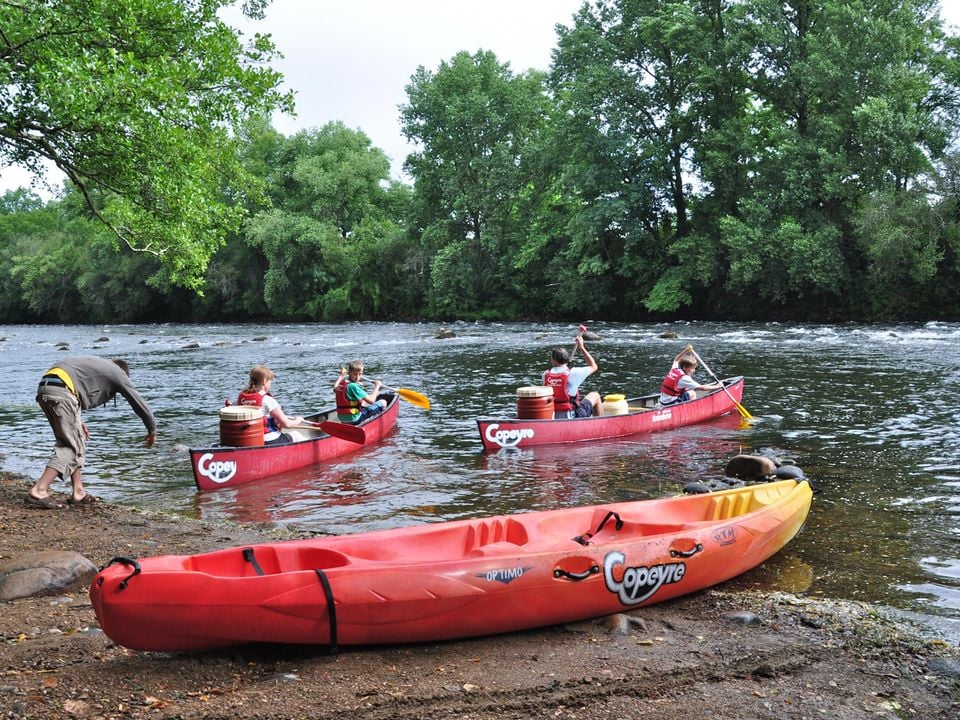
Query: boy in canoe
{"type": "Point", "coordinates": [355, 404]}
{"type": "Point", "coordinates": [566, 382]}
{"type": "Point", "coordinates": [679, 385]}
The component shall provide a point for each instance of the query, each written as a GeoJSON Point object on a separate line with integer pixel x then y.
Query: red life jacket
{"type": "Point", "coordinates": [557, 379]}
{"type": "Point", "coordinates": [255, 399]}
{"type": "Point", "coordinates": [669, 386]}
{"type": "Point", "coordinates": [345, 406]}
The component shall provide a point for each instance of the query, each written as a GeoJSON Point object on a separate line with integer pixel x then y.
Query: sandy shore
{"type": "Point", "coordinates": [716, 654]}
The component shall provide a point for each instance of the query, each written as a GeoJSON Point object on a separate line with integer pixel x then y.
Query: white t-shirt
{"type": "Point", "coordinates": [269, 404]}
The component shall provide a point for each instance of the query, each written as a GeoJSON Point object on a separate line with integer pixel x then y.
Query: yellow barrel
{"type": "Point", "coordinates": [615, 404]}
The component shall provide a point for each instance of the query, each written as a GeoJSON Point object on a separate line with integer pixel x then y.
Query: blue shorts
{"type": "Point", "coordinates": [368, 411]}
{"type": "Point", "coordinates": [682, 397]}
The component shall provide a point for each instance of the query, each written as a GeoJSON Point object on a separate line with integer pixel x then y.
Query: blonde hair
{"type": "Point", "coordinates": [259, 374]}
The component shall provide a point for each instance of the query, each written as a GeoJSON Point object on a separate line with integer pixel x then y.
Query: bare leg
{"type": "Point", "coordinates": [42, 487]}
{"type": "Point", "coordinates": [597, 402]}
{"type": "Point", "coordinates": [77, 480]}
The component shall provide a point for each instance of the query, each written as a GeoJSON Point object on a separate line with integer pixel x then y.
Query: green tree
{"type": "Point", "coordinates": [137, 103]}
{"type": "Point", "coordinates": [651, 101]}
{"type": "Point", "coordinates": [850, 107]}
{"type": "Point", "coordinates": [330, 218]}
{"type": "Point", "coordinates": [473, 120]}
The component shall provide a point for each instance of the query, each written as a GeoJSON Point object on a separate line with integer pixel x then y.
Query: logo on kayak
{"type": "Point", "coordinates": [661, 415]}
{"type": "Point", "coordinates": [507, 438]}
{"type": "Point", "coordinates": [725, 536]}
{"type": "Point", "coordinates": [639, 583]}
{"type": "Point", "coordinates": [219, 471]}
{"type": "Point", "coordinates": [504, 575]}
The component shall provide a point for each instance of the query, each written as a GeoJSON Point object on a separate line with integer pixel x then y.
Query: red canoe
{"type": "Point", "coordinates": [222, 466]}
{"type": "Point", "coordinates": [447, 580]}
{"type": "Point", "coordinates": [648, 416]}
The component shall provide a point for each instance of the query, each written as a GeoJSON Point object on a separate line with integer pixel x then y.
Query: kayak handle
{"type": "Point", "coordinates": [687, 553]}
{"type": "Point", "coordinates": [561, 573]}
{"type": "Point", "coordinates": [125, 561]}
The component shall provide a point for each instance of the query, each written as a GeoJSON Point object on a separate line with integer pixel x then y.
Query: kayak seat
{"type": "Point", "coordinates": [503, 533]}
{"type": "Point", "coordinates": [267, 560]}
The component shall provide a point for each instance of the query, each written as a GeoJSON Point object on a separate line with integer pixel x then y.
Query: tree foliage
{"type": "Point", "coordinates": [684, 158]}
{"type": "Point", "coordinates": [136, 101]}
{"type": "Point", "coordinates": [474, 121]}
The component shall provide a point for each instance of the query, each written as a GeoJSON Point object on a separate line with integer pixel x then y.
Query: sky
{"type": "Point", "coordinates": [350, 60]}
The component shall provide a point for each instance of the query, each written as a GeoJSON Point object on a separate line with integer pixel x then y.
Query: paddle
{"type": "Point", "coordinates": [581, 329]}
{"type": "Point", "coordinates": [740, 408]}
{"type": "Point", "coordinates": [411, 396]}
{"type": "Point", "coordinates": [344, 431]}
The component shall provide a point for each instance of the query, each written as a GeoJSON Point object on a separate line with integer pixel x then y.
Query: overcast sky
{"type": "Point", "coordinates": [350, 60]}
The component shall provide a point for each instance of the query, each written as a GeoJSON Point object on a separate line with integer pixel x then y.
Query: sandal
{"type": "Point", "coordinates": [47, 503]}
{"type": "Point", "coordinates": [87, 499]}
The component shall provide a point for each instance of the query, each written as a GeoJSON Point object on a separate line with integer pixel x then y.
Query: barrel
{"type": "Point", "coordinates": [615, 405]}
{"type": "Point", "coordinates": [535, 402]}
{"type": "Point", "coordinates": [241, 426]}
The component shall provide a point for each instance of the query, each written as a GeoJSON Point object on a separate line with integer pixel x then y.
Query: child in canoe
{"type": "Point", "coordinates": [354, 404]}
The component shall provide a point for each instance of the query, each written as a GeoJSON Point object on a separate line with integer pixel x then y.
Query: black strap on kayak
{"type": "Point", "coordinates": [125, 561]}
{"type": "Point", "coordinates": [248, 556]}
{"type": "Point", "coordinates": [585, 538]}
{"type": "Point", "coordinates": [331, 609]}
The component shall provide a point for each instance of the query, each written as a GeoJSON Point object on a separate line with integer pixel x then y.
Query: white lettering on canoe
{"type": "Point", "coordinates": [504, 575]}
{"type": "Point", "coordinates": [507, 438]}
{"type": "Point", "coordinates": [219, 472]}
{"type": "Point", "coordinates": [661, 415]}
{"type": "Point", "coordinates": [639, 583]}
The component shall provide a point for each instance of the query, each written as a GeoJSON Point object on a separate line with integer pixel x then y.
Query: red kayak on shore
{"type": "Point", "coordinates": [643, 415]}
{"type": "Point", "coordinates": [221, 466]}
{"type": "Point", "coordinates": [457, 579]}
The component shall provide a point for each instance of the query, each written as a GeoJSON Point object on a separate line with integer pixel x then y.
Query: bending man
{"type": "Point", "coordinates": [72, 385]}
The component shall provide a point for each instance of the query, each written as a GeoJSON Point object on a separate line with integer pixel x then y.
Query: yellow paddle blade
{"type": "Point", "coordinates": [414, 398]}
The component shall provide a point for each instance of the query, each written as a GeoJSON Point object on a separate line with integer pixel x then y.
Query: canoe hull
{"type": "Point", "coordinates": [496, 434]}
{"type": "Point", "coordinates": [448, 580]}
{"type": "Point", "coordinates": [219, 467]}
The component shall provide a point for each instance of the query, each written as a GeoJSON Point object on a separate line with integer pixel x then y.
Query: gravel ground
{"type": "Point", "coordinates": [716, 654]}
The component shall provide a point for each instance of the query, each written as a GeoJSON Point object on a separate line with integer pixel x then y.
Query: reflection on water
{"type": "Point", "coordinates": [871, 413]}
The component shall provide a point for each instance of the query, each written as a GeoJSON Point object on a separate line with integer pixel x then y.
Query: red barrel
{"type": "Point", "coordinates": [535, 402]}
{"type": "Point", "coordinates": [241, 426]}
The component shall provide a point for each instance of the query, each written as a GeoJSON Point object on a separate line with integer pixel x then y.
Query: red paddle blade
{"type": "Point", "coordinates": [351, 433]}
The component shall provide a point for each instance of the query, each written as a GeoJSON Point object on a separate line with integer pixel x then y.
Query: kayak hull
{"type": "Point", "coordinates": [448, 580]}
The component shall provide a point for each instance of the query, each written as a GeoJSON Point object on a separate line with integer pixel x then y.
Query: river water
{"type": "Point", "coordinates": [870, 412]}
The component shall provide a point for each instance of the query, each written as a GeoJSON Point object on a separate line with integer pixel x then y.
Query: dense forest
{"type": "Point", "coordinates": [740, 159]}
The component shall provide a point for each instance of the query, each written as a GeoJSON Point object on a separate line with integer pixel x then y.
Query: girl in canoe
{"type": "Point", "coordinates": [353, 402]}
{"type": "Point", "coordinates": [257, 394]}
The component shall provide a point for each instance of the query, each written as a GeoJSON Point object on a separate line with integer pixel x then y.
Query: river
{"type": "Point", "coordinates": [870, 412]}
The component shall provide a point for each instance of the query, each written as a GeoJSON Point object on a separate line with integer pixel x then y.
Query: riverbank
{"type": "Point", "coordinates": [714, 654]}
